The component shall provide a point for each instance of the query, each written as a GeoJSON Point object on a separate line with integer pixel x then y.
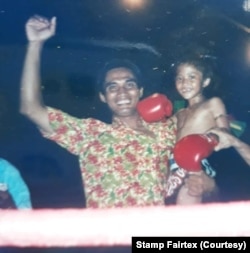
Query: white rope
{"type": "Point", "coordinates": [112, 227]}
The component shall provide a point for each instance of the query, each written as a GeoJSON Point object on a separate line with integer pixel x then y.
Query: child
{"type": "Point", "coordinates": [193, 76]}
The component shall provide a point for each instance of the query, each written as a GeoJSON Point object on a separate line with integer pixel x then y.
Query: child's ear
{"type": "Point", "coordinates": [102, 97]}
{"type": "Point", "coordinates": [206, 82]}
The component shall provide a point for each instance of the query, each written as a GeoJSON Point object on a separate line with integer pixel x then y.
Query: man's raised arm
{"type": "Point", "coordinates": [38, 30]}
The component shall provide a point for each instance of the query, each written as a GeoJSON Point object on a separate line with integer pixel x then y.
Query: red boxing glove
{"type": "Point", "coordinates": [155, 107]}
{"type": "Point", "coordinates": [192, 149]}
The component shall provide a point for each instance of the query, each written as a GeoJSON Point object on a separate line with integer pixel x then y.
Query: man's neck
{"type": "Point", "coordinates": [133, 122]}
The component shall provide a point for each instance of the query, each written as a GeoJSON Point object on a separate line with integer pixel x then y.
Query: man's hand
{"type": "Point", "coordinates": [40, 29]}
{"type": "Point", "coordinates": [199, 184]}
{"type": "Point", "coordinates": [226, 140]}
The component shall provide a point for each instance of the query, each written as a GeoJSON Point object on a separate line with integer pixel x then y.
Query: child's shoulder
{"type": "Point", "coordinates": [180, 112]}
{"type": "Point", "coordinates": [214, 99]}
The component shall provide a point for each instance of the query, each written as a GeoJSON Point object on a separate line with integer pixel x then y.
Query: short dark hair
{"type": "Point", "coordinates": [198, 62]}
{"type": "Point", "coordinates": [206, 64]}
{"type": "Point", "coordinates": [118, 63]}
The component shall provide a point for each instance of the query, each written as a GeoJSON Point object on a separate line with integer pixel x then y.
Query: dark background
{"type": "Point", "coordinates": [90, 32]}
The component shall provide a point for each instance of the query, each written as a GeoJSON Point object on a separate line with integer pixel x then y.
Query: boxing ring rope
{"type": "Point", "coordinates": [112, 227]}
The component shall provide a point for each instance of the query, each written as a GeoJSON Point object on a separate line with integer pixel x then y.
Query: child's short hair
{"type": "Point", "coordinates": [199, 62]}
{"type": "Point", "coordinates": [206, 64]}
{"type": "Point", "coordinates": [118, 63]}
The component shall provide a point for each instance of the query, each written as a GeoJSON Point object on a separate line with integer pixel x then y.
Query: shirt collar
{"type": "Point", "coordinates": [117, 122]}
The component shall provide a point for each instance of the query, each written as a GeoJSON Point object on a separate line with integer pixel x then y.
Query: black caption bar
{"type": "Point", "coordinates": [170, 244]}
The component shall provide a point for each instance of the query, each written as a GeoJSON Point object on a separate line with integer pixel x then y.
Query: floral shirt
{"type": "Point", "coordinates": [120, 167]}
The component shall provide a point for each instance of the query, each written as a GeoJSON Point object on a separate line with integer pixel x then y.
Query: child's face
{"type": "Point", "coordinates": [189, 81]}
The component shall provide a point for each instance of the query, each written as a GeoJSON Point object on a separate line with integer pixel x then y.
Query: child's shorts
{"type": "Point", "coordinates": [177, 174]}
{"type": "Point", "coordinates": [205, 164]}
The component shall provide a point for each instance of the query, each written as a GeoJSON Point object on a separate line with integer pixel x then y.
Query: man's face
{"type": "Point", "coordinates": [121, 92]}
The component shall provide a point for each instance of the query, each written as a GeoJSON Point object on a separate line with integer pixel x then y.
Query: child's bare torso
{"type": "Point", "coordinates": [197, 119]}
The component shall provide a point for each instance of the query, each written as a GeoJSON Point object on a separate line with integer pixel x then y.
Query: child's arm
{"type": "Point", "coordinates": [219, 112]}
{"type": "Point", "coordinates": [173, 118]}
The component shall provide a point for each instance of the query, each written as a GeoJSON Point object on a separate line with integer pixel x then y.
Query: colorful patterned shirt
{"type": "Point", "coordinates": [120, 167]}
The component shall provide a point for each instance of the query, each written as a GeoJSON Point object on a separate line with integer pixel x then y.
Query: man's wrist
{"type": "Point", "coordinates": [35, 44]}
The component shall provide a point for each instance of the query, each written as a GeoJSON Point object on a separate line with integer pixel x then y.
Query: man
{"type": "Point", "coordinates": [123, 163]}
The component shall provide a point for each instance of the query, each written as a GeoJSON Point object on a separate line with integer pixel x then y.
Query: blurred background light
{"type": "Point", "coordinates": [134, 4]}
{"type": "Point", "coordinates": [246, 5]}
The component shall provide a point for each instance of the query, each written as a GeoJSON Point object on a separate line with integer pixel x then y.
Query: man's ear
{"type": "Point", "coordinates": [102, 97]}
{"type": "Point", "coordinates": [206, 82]}
{"type": "Point", "coordinates": [141, 92]}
